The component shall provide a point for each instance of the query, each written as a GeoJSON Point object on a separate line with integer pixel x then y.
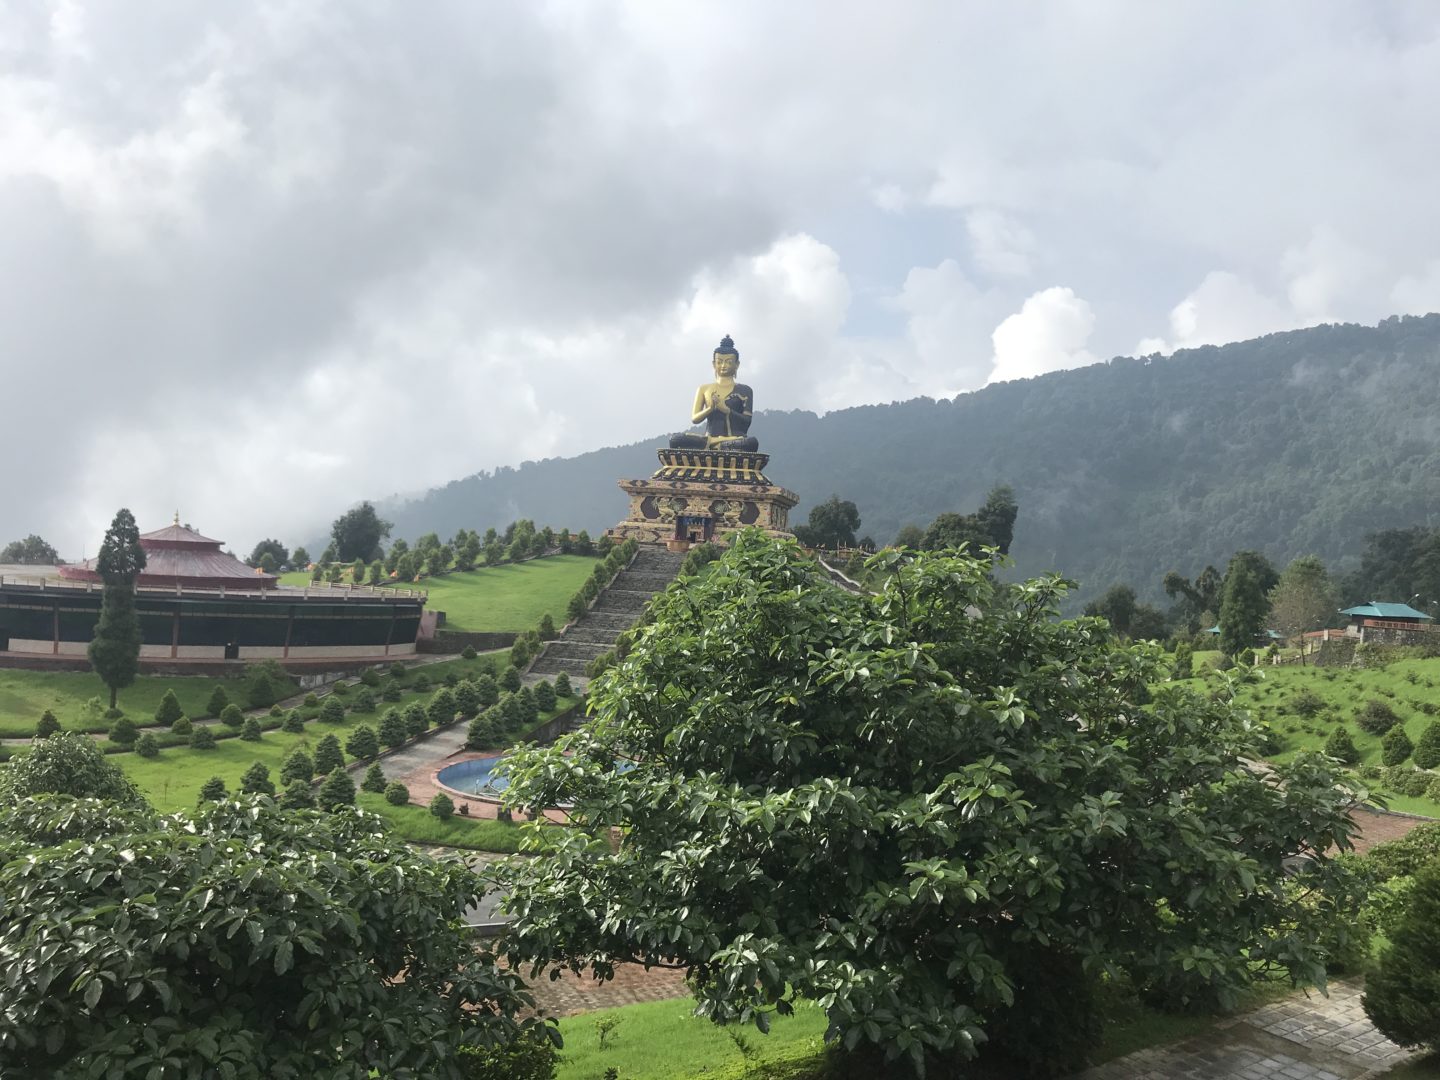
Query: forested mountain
{"type": "Point", "coordinates": [1292, 443]}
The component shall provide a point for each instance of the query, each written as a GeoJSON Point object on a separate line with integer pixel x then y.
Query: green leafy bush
{"type": "Point", "coordinates": [233, 993]}
{"type": "Point", "coordinates": [294, 723]}
{"type": "Point", "coordinates": [47, 725]}
{"type": "Point", "coordinates": [1376, 717]}
{"type": "Point", "coordinates": [147, 746]}
{"type": "Point", "coordinates": [1396, 746]}
{"type": "Point", "coordinates": [420, 683]}
{"type": "Point", "coordinates": [202, 738]}
{"type": "Point", "coordinates": [468, 652]}
{"type": "Point", "coordinates": [396, 793]}
{"type": "Point", "coordinates": [442, 806]}
{"type": "Point", "coordinates": [1405, 856]}
{"type": "Point", "coordinates": [124, 732]}
{"type": "Point", "coordinates": [333, 711]}
{"type": "Point", "coordinates": [1341, 746]}
{"type": "Point", "coordinates": [297, 796]}
{"type": "Point", "coordinates": [441, 709]}
{"type": "Point", "coordinates": [250, 731]}
{"type": "Point", "coordinates": [231, 716]}
{"type": "Point", "coordinates": [526, 1058]}
{"type": "Point", "coordinates": [370, 677]}
{"type": "Point", "coordinates": [1402, 996]}
{"type": "Point", "coordinates": [1307, 703]}
{"type": "Point", "coordinates": [364, 701]}
{"type": "Point", "coordinates": [416, 720]}
{"type": "Point", "coordinates": [1427, 748]}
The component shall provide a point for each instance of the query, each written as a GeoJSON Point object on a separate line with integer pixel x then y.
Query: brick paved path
{"type": "Point", "coordinates": [1300, 1038]}
{"type": "Point", "coordinates": [571, 994]}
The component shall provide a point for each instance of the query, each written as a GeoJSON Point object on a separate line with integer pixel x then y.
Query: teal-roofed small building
{"type": "Point", "coordinates": [1390, 623]}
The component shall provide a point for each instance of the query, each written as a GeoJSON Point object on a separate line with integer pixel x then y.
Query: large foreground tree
{"type": "Point", "coordinates": [240, 940]}
{"type": "Point", "coordinates": [939, 811]}
{"type": "Point", "coordinates": [114, 652]}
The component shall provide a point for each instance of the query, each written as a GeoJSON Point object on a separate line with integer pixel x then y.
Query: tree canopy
{"type": "Point", "coordinates": [831, 524]}
{"type": "Point", "coordinates": [238, 940]}
{"type": "Point", "coordinates": [359, 534]}
{"type": "Point", "coordinates": [937, 810]}
{"type": "Point", "coordinates": [32, 551]}
{"type": "Point", "coordinates": [66, 763]}
{"type": "Point", "coordinates": [276, 550]}
{"type": "Point", "coordinates": [121, 557]}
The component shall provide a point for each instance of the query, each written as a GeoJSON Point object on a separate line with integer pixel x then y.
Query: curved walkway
{"type": "Point", "coordinates": [1300, 1038]}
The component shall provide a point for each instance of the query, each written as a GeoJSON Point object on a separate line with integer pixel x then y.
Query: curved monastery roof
{"type": "Point", "coordinates": [177, 555]}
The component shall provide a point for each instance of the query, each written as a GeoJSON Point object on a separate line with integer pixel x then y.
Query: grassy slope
{"type": "Point", "coordinates": [500, 598]}
{"type": "Point", "coordinates": [1405, 686]}
{"type": "Point", "coordinates": [24, 695]}
{"type": "Point", "coordinates": [510, 597]}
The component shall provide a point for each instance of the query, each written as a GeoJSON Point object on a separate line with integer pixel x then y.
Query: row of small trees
{"type": "Point", "coordinates": [615, 560]}
{"type": "Point", "coordinates": [430, 556]}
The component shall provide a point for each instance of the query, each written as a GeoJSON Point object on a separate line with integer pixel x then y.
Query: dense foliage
{"type": "Point", "coordinates": [238, 941]}
{"type": "Point", "coordinates": [1289, 444]}
{"type": "Point", "coordinates": [1402, 996]}
{"type": "Point", "coordinates": [66, 763]}
{"type": "Point", "coordinates": [916, 807]}
{"type": "Point", "coordinates": [114, 652]}
{"type": "Point", "coordinates": [32, 551]}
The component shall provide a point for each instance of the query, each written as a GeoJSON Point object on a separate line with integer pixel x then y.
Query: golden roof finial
{"type": "Point", "coordinates": [177, 517]}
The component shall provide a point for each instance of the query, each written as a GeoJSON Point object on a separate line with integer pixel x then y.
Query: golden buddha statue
{"type": "Point", "coordinates": [724, 406]}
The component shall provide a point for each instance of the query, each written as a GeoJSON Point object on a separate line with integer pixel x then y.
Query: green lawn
{"type": "Point", "coordinates": [419, 826]}
{"type": "Point", "coordinates": [24, 695]}
{"type": "Point", "coordinates": [661, 1040]}
{"type": "Point", "coordinates": [500, 598]}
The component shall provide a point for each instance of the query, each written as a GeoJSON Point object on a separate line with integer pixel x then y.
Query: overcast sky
{"type": "Point", "coordinates": [259, 261]}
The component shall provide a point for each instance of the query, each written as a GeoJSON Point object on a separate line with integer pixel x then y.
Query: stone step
{"type": "Point", "coordinates": [574, 650]}
{"type": "Point", "coordinates": [549, 667]}
{"type": "Point", "coordinates": [605, 620]}
{"type": "Point", "coordinates": [645, 581]}
{"type": "Point", "coordinates": [599, 635]}
{"type": "Point", "coordinates": [631, 604]}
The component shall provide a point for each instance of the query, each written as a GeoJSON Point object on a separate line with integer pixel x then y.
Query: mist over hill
{"type": "Point", "coordinates": [1291, 443]}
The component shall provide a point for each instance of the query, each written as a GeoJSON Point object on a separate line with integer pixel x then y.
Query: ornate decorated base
{"type": "Point", "coordinates": [702, 495]}
{"type": "Point", "coordinates": [728, 466]}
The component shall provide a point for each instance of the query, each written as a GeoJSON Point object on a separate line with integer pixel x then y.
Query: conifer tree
{"type": "Point", "coordinates": [231, 716]}
{"type": "Point", "coordinates": [362, 743]}
{"type": "Point", "coordinates": [1341, 746]}
{"type": "Point", "coordinates": [298, 765]}
{"type": "Point", "coordinates": [250, 731]}
{"type": "Point", "coordinates": [218, 700]}
{"type": "Point", "coordinates": [337, 791]}
{"type": "Point", "coordinates": [562, 685]}
{"type": "Point", "coordinates": [416, 720]}
{"type": "Point", "coordinates": [202, 738]}
{"type": "Point", "coordinates": [374, 779]}
{"type": "Point", "coordinates": [1402, 997]}
{"type": "Point", "coordinates": [169, 710]}
{"type": "Point", "coordinates": [297, 796]}
{"type": "Point", "coordinates": [47, 725]}
{"type": "Point", "coordinates": [256, 780]}
{"type": "Point", "coordinates": [213, 790]}
{"type": "Point", "coordinates": [1396, 746]}
{"type": "Point", "coordinates": [115, 650]}
{"type": "Point", "coordinates": [510, 680]}
{"type": "Point", "coordinates": [328, 756]}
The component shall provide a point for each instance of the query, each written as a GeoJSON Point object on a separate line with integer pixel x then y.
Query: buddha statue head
{"type": "Point", "coordinates": [727, 359]}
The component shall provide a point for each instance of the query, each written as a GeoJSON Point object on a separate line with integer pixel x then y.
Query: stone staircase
{"type": "Point", "coordinates": [614, 612]}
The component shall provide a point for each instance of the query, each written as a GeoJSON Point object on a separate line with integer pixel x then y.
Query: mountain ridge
{"type": "Point", "coordinates": [1295, 442]}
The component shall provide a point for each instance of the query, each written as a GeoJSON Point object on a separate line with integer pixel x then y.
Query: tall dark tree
{"type": "Point", "coordinates": [1243, 606]}
{"type": "Point", "coordinates": [115, 650]}
{"type": "Point", "coordinates": [996, 517]}
{"type": "Point", "coordinates": [359, 533]}
{"type": "Point", "coordinates": [32, 551]}
{"type": "Point", "coordinates": [1266, 576]}
{"type": "Point", "coordinates": [831, 524]}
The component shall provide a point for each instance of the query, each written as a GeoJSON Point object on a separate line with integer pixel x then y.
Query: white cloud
{"type": "Point", "coordinates": [1048, 333]}
{"type": "Point", "coordinates": [263, 261]}
{"type": "Point", "coordinates": [1002, 245]}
